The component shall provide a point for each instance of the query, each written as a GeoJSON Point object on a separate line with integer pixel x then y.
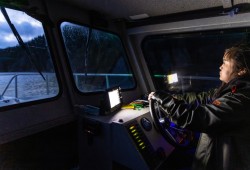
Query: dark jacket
{"type": "Point", "coordinates": [224, 123]}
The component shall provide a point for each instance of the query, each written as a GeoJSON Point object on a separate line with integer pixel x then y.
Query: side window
{"type": "Point", "coordinates": [194, 57]}
{"type": "Point", "coordinates": [26, 69]}
{"type": "Point", "coordinates": [97, 58]}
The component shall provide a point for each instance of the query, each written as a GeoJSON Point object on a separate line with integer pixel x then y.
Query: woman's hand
{"type": "Point", "coordinates": [159, 96]}
{"type": "Point", "coordinates": [150, 95]}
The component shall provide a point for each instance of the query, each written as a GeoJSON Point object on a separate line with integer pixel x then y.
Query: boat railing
{"type": "Point", "coordinates": [106, 75]}
{"type": "Point", "coordinates": [14, 78]}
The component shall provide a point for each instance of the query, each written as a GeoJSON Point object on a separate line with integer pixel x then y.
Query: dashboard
{"type": "Point", "coordinates": [126, 139]}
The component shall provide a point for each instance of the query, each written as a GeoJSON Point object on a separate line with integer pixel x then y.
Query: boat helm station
{"type": "Point", "coordinates": [75, 78]}
{"type": "Point", "coordinates": [131, 136]}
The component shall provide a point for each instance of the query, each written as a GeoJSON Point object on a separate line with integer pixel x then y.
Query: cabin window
{"type": "Point", "coordinates": [26, 69]}
{"type": "Point", "coordinates": [97, 58]}
{"type": "Point", "coordinates": [194, 57]}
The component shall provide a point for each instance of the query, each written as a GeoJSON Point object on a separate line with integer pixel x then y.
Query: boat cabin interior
{"type": "Point", "coordinates": [75, 76]}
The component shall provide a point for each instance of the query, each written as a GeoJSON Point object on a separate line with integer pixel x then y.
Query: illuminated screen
{"type": "Point", "coordinates": [114, 98]}
{"type": "Point", "coordinates": [172, 78]}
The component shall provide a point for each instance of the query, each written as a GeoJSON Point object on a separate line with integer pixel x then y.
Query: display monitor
{"type": "Point", "coordinates": [114, 99]}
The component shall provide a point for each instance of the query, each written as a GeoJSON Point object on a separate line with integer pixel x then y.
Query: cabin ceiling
{"type": "Point", "coordinates": [125, 9]}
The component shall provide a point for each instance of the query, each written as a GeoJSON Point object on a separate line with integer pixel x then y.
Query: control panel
{"type": "Point", "coordinates": [127, 139]}
{"type": "Point", "coordinates": [152, 157]}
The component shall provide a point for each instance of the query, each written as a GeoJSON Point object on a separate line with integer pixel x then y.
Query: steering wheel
{"type": "Point", "coordinates": [175, 135]}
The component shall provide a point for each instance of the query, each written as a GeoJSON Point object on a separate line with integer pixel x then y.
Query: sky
{"type": "Point", "coordinates": [27, 27]}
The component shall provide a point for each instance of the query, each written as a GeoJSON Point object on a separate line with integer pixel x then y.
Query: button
{"type": "Point", "coordinates": [146, 124]}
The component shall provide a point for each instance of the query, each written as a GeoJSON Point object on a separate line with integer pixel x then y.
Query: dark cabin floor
{"type": "Point", "coordinates": [180, 159]}
{"type": "Point", "coordinates": [56, 148]}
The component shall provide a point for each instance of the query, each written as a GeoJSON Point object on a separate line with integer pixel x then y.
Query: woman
{"type": "Point", "coordinates": [222, 116]}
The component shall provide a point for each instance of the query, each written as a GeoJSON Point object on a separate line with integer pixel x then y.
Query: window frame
{"type": "Point", "coordinates": [68, 60]}
{"type": "Point", "coordinates": [37, 101]}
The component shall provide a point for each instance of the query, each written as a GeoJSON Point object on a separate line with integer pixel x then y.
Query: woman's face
{"type": "Point", "coordinates": [226, 70]}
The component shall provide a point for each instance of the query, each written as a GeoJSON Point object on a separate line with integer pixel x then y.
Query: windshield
{"type": "Point", "coordinates": [191, 58]}
{"type": "Point", "coordinates": [97, 58]}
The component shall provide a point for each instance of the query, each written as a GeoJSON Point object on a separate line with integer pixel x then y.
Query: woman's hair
{"type": "Point", "coordinates": [241, 56]}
